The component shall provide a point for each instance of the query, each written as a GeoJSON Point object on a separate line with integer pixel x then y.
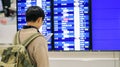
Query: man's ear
{"type": "Point", "coordinates": [39, 20]}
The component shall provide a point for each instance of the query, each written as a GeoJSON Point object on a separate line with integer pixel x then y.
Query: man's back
{"type": "Point", "coordinates": [37, 49]}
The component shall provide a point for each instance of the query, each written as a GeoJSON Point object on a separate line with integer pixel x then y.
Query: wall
{"type": "Point", "coordinates": [84, 59]}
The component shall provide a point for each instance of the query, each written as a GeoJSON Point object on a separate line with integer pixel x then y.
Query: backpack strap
{"type": "Point", "coordinates": [30, 39]}
{"type": "Point", "coordinates": [27, 41]}
{"type": "Point", "coordinates": [16, 39]}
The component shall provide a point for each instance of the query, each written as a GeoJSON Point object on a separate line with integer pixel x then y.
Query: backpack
{"type": "Point", "coordinates": [17, 55]}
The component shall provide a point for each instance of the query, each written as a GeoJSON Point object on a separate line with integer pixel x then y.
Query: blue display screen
{"type": "Point", "coordinates": [69, 21]}
{"type": "Point", "coordinates": [105, 25]}
{"type": "Point", "coordinates": [46, 27]}
{"type": "Point", "coordinates": [71, 25]}
{"type": "Point", "coordinates": [22, 6]}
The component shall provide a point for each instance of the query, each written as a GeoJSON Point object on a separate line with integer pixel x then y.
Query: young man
{"type": "Point", "coordinates": [37, 49]}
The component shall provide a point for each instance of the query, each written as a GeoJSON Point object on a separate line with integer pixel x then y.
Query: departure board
{"type": "Point", "coordinates": [46, 27]}
{"type": "Point", "coordinates": [22, 6]}
{"type": "Point", "coordinates": [105, 25]}
{"type": "Point", "coordinates": [71, 25]}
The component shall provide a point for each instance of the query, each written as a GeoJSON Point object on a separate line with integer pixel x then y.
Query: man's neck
{"type": "Point", "coordinates": [31, 24]}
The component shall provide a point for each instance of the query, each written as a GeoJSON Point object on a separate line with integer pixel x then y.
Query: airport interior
{"type": "Point", "coordinates": [80, 33]}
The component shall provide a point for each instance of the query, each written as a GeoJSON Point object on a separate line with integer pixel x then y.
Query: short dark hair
{"type": "Point", "coordinates": [33, 13]}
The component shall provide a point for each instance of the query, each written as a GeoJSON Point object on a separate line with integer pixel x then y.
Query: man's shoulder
{"type": "Point", "coordinates": [41, 38]}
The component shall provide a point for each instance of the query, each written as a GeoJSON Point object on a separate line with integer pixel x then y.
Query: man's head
{"type": "Point", "coordinates": [35, 15]}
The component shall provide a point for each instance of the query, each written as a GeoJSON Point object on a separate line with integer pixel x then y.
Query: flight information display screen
{"type": "Point", "coordinates": [71, 25]}
{"type": "Point", "coordinates": [22, 6]}
{"type": "Point", "coordinates": [105, 25]}
{"type": "Point", "coordinates": [46, 27]}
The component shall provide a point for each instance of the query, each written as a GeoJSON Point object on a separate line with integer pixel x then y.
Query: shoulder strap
{"type": "Point", "coordinates": [16, 38]}
{"type": "Point", "coordinates": [30, 39]}
{"type": "Point", "coordinates": [27, 41]}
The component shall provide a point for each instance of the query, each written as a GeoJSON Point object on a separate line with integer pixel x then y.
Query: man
{"type": "Point", "coordinates": [37, 49]}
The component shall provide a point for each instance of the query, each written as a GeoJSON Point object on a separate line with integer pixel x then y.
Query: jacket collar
{"type": "Point", "coordinates": [27, 27]}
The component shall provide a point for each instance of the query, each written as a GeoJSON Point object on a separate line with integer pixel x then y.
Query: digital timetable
{"type": "Point", "coordinates": [105, 25]}
{"type": "Point", "coordinates": [46, 27]}
{"type": "Point", "coordinates": [67, 20]}
{"type": "Point", "coordinates": [71, 25]}
{"type": "Point", "coordinates": [22, 5]}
